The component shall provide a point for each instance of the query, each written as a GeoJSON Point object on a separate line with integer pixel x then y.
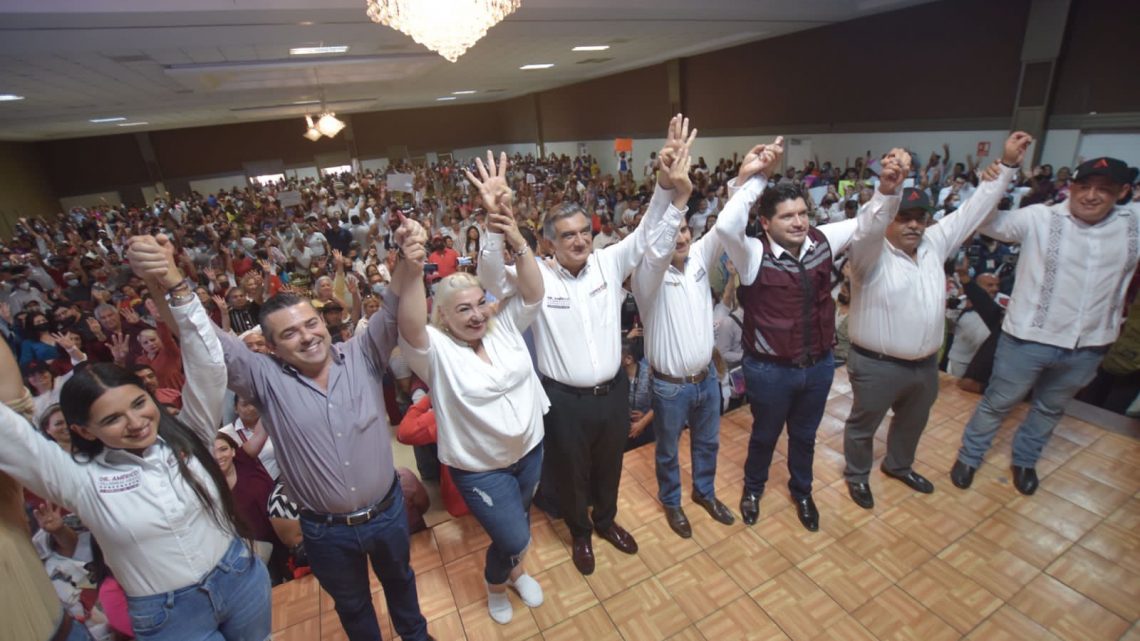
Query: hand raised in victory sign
{"type": "Point", "coordinates": [678, 171]}
{"type": "Point", "coordinates": [492, 182]}
{"type": "Point", "coordinates": [677, 137]}
{"type": "Point", "coordinates": [760, 159]}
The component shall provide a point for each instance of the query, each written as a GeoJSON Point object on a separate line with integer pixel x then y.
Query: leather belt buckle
{"type": "Point", "coordinates": [359, 517]}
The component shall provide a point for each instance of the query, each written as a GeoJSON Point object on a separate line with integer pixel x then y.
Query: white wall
{"type": "Point", "coordinates": [1061, 148]}
{"type": "Point", "coordinates": [470, 153]}
{"type": "Point", "coordinates": [213, 185]}
{"type": "Point", "coordinates": [1125, 146]}
{"type": "Point", "coordinates": [302, 172]}
{"type": "Point", "coordinates": [374, 164]}
{"type": "Point", "coordinates": [91, 200]}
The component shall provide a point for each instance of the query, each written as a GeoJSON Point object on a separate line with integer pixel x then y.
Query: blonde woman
{"type": "Point", "coordinates": [488, 400]}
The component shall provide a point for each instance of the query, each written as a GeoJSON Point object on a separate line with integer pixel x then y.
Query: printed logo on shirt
{"type": "Point", "coordinates": [700, 274]}
{"type": "Point", "coordinates": [115, 483]}
{"type": "Point", "coordinates": [557, 302]}
{"type": "Point", "coordinates": [598, 290]}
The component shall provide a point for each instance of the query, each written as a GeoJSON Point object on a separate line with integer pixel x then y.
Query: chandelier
{"type": "Point", "coordinates": [448, 27]}
{"type": "Point", "coordinates": [327, 125]}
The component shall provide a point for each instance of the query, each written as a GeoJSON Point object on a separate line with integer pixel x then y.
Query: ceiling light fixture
{"type": "Point", "coordinates": [132, 124]}
{"type": "Point", "coordinates": [445, 98]}
{"type": "Point", "coordinates": [312, 133]}
{"type": "Point", "coordinates": [590, 48]}
{"type": "Point", "coordinates": [448, 27]}
{"type": "Point", "coordinates": [329, 125]}
{"type": "Point", "coordinates": [465, 92]}
{"type": "Point", "coordinates": [312, 51]}
{"type": "Point", "coordinates": [545, 65]}
{"type": "Point", "coordinates": [102, 120]}
{"type": "Point", "coordinates": [9, 97]}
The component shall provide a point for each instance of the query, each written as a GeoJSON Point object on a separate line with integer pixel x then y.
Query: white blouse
{"type": "Point", "coordinates": [489, 415]}
{"type": "Point", "coordinates": [151, 525]}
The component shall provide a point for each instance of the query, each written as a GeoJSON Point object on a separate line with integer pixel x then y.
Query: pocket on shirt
{"type": "Point", "coordinates": [149, 617]}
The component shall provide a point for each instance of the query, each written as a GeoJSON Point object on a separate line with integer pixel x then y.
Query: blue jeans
{"type": "Point", "coordinates": [500, 500]}
{"type": "Point", "coordinates": [1055, 375]}
{"type": "Point", "coordinates": [698, 406]}
{"type": "Point", "coordinates": [339, 555]}
{"type": "Point", "coordinates": [782, 394]}
{"type": "Point", "coordinates": [231, 602]}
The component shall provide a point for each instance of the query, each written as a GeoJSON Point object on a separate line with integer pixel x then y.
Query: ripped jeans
{"type": "Point", "coordinates": [500, 500]}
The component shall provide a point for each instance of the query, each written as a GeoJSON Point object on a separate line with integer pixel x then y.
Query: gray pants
{"type": "Point", "coordinates": [877, 385]}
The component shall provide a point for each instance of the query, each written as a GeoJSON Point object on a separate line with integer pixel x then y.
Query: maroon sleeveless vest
{"type": "Point", "coordinates": [788, 310]}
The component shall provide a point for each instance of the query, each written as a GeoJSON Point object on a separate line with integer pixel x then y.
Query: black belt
{"type": "Point", "coordinates": [803, 362]}
{"type": "Point", "coordinates": [358, 517]}
{"type": "Point", "coordinates": [597, 390]}
{"type": "Point", "coordinates": [892, 359]}
{"type": "Point", "coordinates": [692, 378]}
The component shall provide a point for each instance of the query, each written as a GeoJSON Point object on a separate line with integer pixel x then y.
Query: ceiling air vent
{"type": "Point", "coordinates": [594, 61]}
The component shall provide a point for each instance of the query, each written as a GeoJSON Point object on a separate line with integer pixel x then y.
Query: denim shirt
{"type": "Point", "coordinates": [640, 391]}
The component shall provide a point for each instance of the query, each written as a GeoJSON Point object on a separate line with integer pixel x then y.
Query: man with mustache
{"type": "Point", "coordinates": [898, 311]}
{"type": "Point", "coordinates": [1077, 258]}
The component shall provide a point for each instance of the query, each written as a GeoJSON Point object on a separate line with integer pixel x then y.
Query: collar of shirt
{"type": "Point", "coordinates": [778, 250]}
{"type": "Point", "coordinates": [562, 271]}
{"type": "Point", "coordinates": [112, 457]}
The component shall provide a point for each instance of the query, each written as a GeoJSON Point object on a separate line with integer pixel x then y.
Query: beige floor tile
{"type": "Point", "coordinates": [659, 546]}
{"type": "Point", "coordinates": [990, 565]}
{"type": "Point", "coordinates": [1105, 581]}
{"type": "Point", "coordinates": [615, 571]}
{"type": "Point", "coordinates": [748, 559]}
{"type": "Point", "coordinates": [784, 532]}
{"type": "Point", "coordinates": [1059, 515]}
{"type": "Point", "coordinates": [1085, 491]}
{"type": "Point", "coordinates": [921, 520]}
{"type": "Point", "coordinates": [295, 602]}
{"type": "Point", "coordinates": [1066, 612]}
{"type": "Point", "coordinates": [690, 633]}
{"type": "Point", "coordinates": [306, 630]}
{"type": "Point", "coordinates": [479, 626]}
{"type": "Point", "coordinates": [646, 612]}
{"type": "Point", "coordinates": [566, 594]}
{"type": "Point", "coordinates": [799, 606]}
{"type": "Point", "coordinates": [957, 599]}
{"type": "Point", "coordinates": [1035, 543]}
{"type": "Point", "coordinates": [886, 549]}
{"type": "Point", "coordinates": [1007, 624]}
{"type": "Point", "coordinates": [1115, 543]}
{"type": "Point", "coordinates": [1106, 470]}
{"type": "Point", "coordinates": [592, 625]}
{"type": "Point", "coordinates": [425, 552]}
{"type": "Point", "coordinates": [839, 516]}
{"type": "Point", "coordinates": [847, 629]}
{"type": "Point", "coordinates": [895, 616]}
{"type": "Point", "coordinates": [465, 575]}
{"type": "Point", "coordinates": [1116, 446]}
{"type": "Point", "coordinates": [699, 586]}
{"type": "Point", "coordinates": [447, 627]}
{"type": "Point", "coordinates": [546, 549]}
{"type": "Point", "coordinates": [741, 620]}
{"type": "Point", "coordinates": [434, 593]}
{"type": "Point", "coordinates": [460, 537]}
{"type": "Point", "coordinates": [846, 577]}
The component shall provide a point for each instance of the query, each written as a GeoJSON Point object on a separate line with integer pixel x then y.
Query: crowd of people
{"type": "Point", "coordinates": [200, 393]}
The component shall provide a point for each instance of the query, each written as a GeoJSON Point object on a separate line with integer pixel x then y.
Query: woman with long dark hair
{"type": "Point", "coordinates": [146, 484]}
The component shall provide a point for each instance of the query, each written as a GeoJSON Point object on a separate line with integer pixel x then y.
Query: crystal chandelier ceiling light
{"type": "Point", "coordinates": [448, 27]}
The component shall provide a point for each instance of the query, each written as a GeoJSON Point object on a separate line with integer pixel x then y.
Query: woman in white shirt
{"type": "Point", "coordinates": [488, 400]}
{"type": "Point", "coordinates": [146, 484]}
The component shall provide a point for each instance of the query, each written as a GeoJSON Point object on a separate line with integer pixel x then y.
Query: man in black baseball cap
{"type": "Point", "coordinates": [1097, 185]}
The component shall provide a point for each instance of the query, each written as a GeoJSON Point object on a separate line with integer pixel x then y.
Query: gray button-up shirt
{"type": "Point", "coordinates": [334, 446]}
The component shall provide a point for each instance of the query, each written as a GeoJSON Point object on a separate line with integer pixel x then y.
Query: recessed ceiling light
{"type": "Point", "coordinates": [465, 92]}
{"type": "Point", "coordinates": [445, 98]}
{"type": "Point", "coordinates": [8, 97]}
{"type": "Point", "coordinates": [310, 51]}
{"type": "Point", "coordinates": [590, 48]}
{"type": "Point", "coordinates": [115, 119]}
{"type": "Point", "coordinates": [132, 124]}
{"type": "Point", "coordinates": [305, 23]}
{"type": "Point", "coordinates": [306, 102]}
{"type": "Point", "coordinates": [545, 65]}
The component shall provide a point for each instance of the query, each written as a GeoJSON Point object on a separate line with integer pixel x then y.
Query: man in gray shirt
{"type": "Point", "coordinates": [323, 407]}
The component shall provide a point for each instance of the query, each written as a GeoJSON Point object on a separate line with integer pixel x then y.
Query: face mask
{"type": "Point", "coordinates": [25, 285]}
{"type": "Point", "coordinates": [378, 289]}
{"type": "Point", "coordinates": [72, 282]}
{"type": "Point", "coordinates": [42, 327]}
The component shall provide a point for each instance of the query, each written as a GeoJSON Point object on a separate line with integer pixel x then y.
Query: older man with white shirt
{"type": "Point", "coordinates": [897, 317]}
{"type": "Point", "coordinates": [1077, 259]}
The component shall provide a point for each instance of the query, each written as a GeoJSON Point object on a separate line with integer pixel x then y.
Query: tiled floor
{"type": "Point", "coordinates": [984, 564]}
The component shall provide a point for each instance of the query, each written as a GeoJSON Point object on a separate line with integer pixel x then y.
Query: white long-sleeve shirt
{"type": "Point", "coordinates": [898, 303]}
{"type": "Point", "coordinates": [1071, 277]}
{"type": "Point", "coordinates": [155, 533]}
{"type": "Point", "coordinates": [577, 334]}
{"type": "Point", "coordinates": [676, 308]}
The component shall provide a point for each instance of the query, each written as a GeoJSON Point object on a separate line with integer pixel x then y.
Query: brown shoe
{"type": "Point", "coordinates": [619, 538]}
{"type": "Point", "coordinates": [583, 555]}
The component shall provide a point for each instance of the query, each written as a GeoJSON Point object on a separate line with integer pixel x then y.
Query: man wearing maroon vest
{"type": "Point", "coordinates": [789, 322]}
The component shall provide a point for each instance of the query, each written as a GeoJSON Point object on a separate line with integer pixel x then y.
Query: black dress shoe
{"type": "Point", "coordinates": [809, 515]}
{"type": "Point", "coordinates": [583, 555]}
{"type": "Point", "coordinates": [1025, 479]}
{"type": "Point", "coordinates": [861, 494]}
{"type": "Point", "coordinates": [962, 475]}
{"type": "Point", "coordinates": [619, 538]}
{"type": "Point", "coordinates": [719, 511]}
{"type": "Point", "coordinates": [749, 508]}
{"type": "Point", "coordinates": [914, 480]}
{"type": "Point", "coordinates": [678, 522]}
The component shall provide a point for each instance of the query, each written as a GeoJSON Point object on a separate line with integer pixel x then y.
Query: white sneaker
{"type": "Point", "coordinates": [529, 590]}
{"type": "Point", "coordinates": [499, 605]}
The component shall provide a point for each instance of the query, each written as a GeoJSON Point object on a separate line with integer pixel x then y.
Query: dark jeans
{"type": "Point", "coordinates": [585, 438]}
{"type": "Point", "coordinates": [500, 500]}
{"type": "Point", "coordinates": [675, 406]}
{"type": "Point", "coordinates": [778, 395]}
{"type": "Point", "coordinates": [339, 556]}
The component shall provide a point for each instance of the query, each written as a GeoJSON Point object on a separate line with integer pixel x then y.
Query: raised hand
{"type": "Point", "coordinates": [151, 307]}
{"type": "Point", "coordinates": [130, 316]}
{"type": "Point", "coordinates": [49, 517]}
{"type": "Point", "coordinates": [492, 182]}
{"type": "Point", "coordinates": [677, 137]}
{"type": "Point", "coordinates": [1015, 147]}
{"type": "Point", "coordinates": [411, 238]}
{"type": "Point", "coordinates": [220, 302]}
{"type": "Point", "coordinates": [895, 169]}
{"type": "Point", "coordinates": [760, 159]}
{"type": "Point", "coordinates": [64, 341]}
{"type": "Point", "coordinates": [352, 284]}
{"type": "Point", "coordinates": [120, 347]}
{"type": "Point", "coordinates": [679, 176]}
{"type": "Point", "coordinates": [993, 172]}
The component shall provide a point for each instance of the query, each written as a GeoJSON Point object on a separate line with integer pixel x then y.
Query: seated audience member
{"type": "Point", "coordinates": [418, 427]}
{"type": "Point", "coordinates": [39, 342]}
{"type": "Point", "coordinates": [489, 402]}
{"type": "Point", "coordinates": [251, 486]}
{"type": "Point", "coordinates": [164, 395]}
{"type": "Point", "coordinates": [251, 436]}
{"type": "Point", "coordinates": [162, 353]}
{"type": "Point", "coordinates": [975, 324]}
